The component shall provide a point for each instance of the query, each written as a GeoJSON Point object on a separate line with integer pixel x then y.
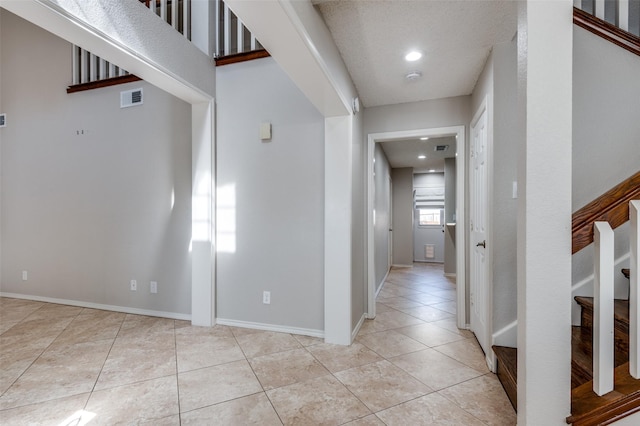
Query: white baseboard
{"type": "Point", "coordinates": [398, 265]}
{"type": "Point", "coordinates": [355, 331]}
{"type": "Point", "coordinates": [450, 274]}
{"type": "Point", "coordinates": [271, 327]}
{"type": "Point", "coordinates": [124, 309]}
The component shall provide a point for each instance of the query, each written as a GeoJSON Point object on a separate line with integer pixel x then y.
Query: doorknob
{"type": "Point", "coordinates": [482, 244]}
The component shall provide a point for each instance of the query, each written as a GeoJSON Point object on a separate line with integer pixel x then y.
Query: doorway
{"type": "Point", "coordinates": [459, 133]}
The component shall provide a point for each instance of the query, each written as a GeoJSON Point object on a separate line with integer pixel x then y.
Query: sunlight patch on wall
{"type": "Point", "coordinates": [201, 210]}
{"type": "Point", "coordinates": [226, 219]}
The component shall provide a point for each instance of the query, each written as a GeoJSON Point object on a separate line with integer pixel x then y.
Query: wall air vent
{"type": "Point", "coordinates": [441, 148]}
{"type": "Point", "coordinates": [3, 120]}
{"type": "Point", "coordinates": [131, 98]}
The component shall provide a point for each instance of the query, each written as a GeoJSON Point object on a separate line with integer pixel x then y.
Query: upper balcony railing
{"type": "Point", "coordinates": [624, 14]}
{"type": "Point", "coordinates": [232, 38]}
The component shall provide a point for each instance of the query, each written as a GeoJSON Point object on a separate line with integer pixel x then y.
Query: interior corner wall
{"type": "Point", "coordinates": [504, 205]}
{"type": "Point", "coordinates": [381, 219]}
{"type": "Point", "coordinates": [358, 224]}
{"type": "Point", "coordinates": [606, 129]}
{"type": "Point", "coordinates": [93, 195]}
{"type": "Point", "coordinates": [449, 215]}
{"type": "Point", "coordinates": [270, 214]}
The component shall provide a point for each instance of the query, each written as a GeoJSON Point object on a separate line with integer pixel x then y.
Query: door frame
{"type": "Point", "coordinates": [485, 106]}
{"type": "Point", "coordinates": [461, 288]}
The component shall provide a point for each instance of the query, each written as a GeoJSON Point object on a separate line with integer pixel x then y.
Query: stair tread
{"type": "Point", "coordinates": [581, 356]}
{"type": "Point", "coordinates": [508, 357]}
{"type": "Point", "coordinates": [620, 307]}
{"type": "Point", "coordinates": [585, 404]}
{"type": "Point", "coordinates": [626, 272]}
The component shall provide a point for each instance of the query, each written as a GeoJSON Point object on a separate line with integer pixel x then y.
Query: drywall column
{"type": "Point", "coordinates": [203, 25]}
{"type": "Point", "coordinates": [337, 229]}
{"type": "Point", "coordinates": [449, 216]}
{"type": "Point", "coordinates": [203, 221]}
{"type": "Point", "coordinates": [545, 43]}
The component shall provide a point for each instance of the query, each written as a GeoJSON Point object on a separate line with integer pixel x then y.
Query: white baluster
{"type": "Point", "coordinates": [163, 10]}
{"type": "Point", "coordinates": [634, 296]}
{"type": "Point", "coordinates": [186, 19]}
{"type": "Point", "coordinates": [174, 14]}
{"type": "Point", "coordinates": [217, 29]}
{"type": "Point", "coordinates": [84, 72]}
{"type": "Point", "coordinates": [240, 38]}
{"type": "Point", "coordinates": [75, 65]}
{"type": "Point", "coordinates": [603, 365]}
{"type": "Point", "coordinates": [103, 69]}
{"type": "Point", "coordinates": [227, 30]}
{"type": "Point", "coordinates": [112, 70]}
{"type": "Point", "coordinates": [623, 14]}
{"type": "Point", "coordinates": [577, 3]}
{"type": "Point", "coordinates": [93, 67]}
{"type": "Point", "coordinates": [253, 42]}
{"type": "Point", "coordinates": [599, 9]}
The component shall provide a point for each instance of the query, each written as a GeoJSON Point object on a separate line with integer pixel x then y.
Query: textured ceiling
{"type": "Point", "coordinates": [454, 36]}
{"type": "Point", "coordinates": [404, 153]}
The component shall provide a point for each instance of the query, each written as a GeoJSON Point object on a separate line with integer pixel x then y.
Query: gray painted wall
{"type": "Point", "coordinates": [84, 214]}
{"type": "Point", "coordinates": [359, 285]}
{"type": "Point", "coordinates": [274, 193]}
{"type": "Point", "coordinates": [606, 129]}
{"type": "Point", "coordinates": [381, 205]}
{"type": "Point", "coordinates": [432, 234]}
{"type": "Point", "coordinates": [449, 215]}
{"type": "Point", "coordinates": [402, 216]}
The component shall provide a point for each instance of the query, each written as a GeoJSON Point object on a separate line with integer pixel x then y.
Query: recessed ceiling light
{"type": "Point", "coordinates": [421, 157]}
{"type": "Point", "coordinates": [431, 170]}
{"type": "Point", "coordinates": [412, 56]}
{"type": "Point", "coordinates": [424, 138]}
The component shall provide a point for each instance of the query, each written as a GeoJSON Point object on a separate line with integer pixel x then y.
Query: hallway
{"type": "Point", "coordinates": [410, 365]}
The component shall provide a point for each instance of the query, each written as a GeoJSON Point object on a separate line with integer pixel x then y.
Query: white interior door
{"type": "Point", "coordinates": [478, 231]}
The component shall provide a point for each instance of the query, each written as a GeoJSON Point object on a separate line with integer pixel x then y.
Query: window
{"type": "Point", "coordinates": [429, 217]}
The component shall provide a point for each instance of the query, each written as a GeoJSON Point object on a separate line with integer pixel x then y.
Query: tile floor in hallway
{"type": "Point", "coordinates": [64, 365]}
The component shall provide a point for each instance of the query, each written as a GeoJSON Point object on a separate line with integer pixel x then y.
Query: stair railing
{"type": "Point", "coordinates": [231, 38]}
{"type": "Point", "coordinates": [603, 302]}
{"type": "Point", "coordinates": [624, 14]}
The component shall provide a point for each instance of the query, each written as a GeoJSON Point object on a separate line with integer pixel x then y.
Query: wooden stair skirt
{"type": "Point", "coordinates": [587, 408]}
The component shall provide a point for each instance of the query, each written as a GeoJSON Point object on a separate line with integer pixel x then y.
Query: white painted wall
{"type": "Point", "coordinates": [449, 215]}
{"type": "Point", "coordinates": [606, 99]}
{"type": "Point", "coordinates": [84, 214]}
{"type": "Point", "coordinates": [402, 202]}
{"type": "Point", "coordinates": [270, 194]}
{"type": "Point", "coordinates": [381, 224]}
{"type": "Point", "coordinates": [432, 234]}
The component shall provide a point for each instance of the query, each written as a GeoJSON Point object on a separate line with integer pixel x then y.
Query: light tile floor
{"type": "Point", "coordinates": [63, 365]}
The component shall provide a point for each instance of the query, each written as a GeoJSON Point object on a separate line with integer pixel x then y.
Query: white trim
{"type": "Point", "coordinates": [355, 331]}
{"type": "Point", "coordinates": [372, 138]}
{"type": "Point", "coordinates": [450, 275]}
{"type": "Point", "coordinates": [82, 304]}
{"type": "Point", "coordinates": [507, 335]}
{"type": "Point", "coordinates": [398, 265]}
{"type": "Point", "coordinates": [271, 327]}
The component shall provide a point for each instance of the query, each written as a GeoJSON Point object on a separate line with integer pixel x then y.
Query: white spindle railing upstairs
{"type": "Point", "coordinates": [625, 14]}
{"type": "Point", "coordinates": [603, 302]}
{"type": "Point", "coordinates": [231, 37]}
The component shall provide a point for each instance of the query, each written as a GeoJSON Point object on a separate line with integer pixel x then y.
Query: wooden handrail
{"type": "Point", "coordinates": [102, 83]}
{"type": "Point", "coordinates": [612, 206]}
{"type": "Point", "coordinates": [606, 30]}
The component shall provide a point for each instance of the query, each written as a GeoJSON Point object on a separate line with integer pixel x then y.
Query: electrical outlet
{"type": "Point", "coordinates": [134, 285]}
{"type": "Point", "coordinates": [153, 287]}
{"type": "Point", "coordinates": [25, 275]}
{"type": "Point", "coordinates": [266, 297]}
